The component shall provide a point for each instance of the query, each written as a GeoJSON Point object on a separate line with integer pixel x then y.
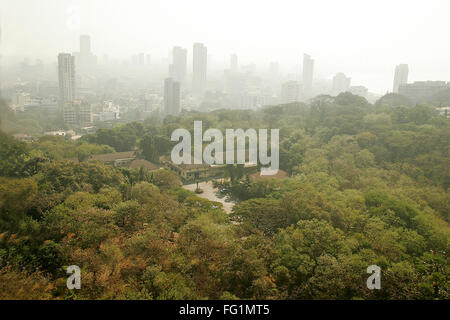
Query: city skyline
{"type": "Point", "coordinates": [229, 154]}
{"type": "Point", "coordinates": [367, 52]}
{"type": "Point", "coordinates": [80, 68]}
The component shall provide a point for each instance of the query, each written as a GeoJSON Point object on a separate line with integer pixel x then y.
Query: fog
{"type": "Point", "coordinates": [363, 39]}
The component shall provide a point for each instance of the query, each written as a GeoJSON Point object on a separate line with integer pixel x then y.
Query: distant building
{"type": "Point", "coordinates": [85, 59]}
{"type": "Point", "coordinates": [110, 112]}
{"type": "Point", "coordinates": [290, 92]}
{"type": "Point", "coordinates": [177, 69]}
{"type": "Point", "coordinates": [359, 91]}
{"type": "Point", "coordinates": [401, 76]}
{"type": "Point", "coordinates": [108, 116]}
{"type": "Point", "coordinates": [122, 159]}
{"type": "Point", "coordinates": [117, 159]}
{"type": "Point", "coordinates": [419, 91]}
{"type": "Point", "coordinates": [340, 83]}
{"type": "Point", "coordinates": [59, 133]}
{"type": "Point", "coordinates": [22, 137]}
{"type": "Point", "coordinates": [48, 104]}
{"type": "Point", "coordinates": [250, 100]}
{"type": "Point", "coordinates": [67, 90]}
{"type": "Point", "coordinates": [151, 103]}
{"type": "Point", "coordinates": [444, 111]}
{"type": "Point", "coordinates": [172, 97]}
{"type": "Point", "coordinates": [200, 63]}
{"type": "Point", "coordinates": [308, 73]}
{"type": "Point", "coordinates": [84, 112]}
{"type": "Point", "coordinates": [19, 99]}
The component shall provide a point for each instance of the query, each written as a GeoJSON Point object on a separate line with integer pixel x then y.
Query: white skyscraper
{"type": "Point", "coordinates": [67, 90]}
{"type": "Point", "coordinates": [85, 44]}
{"type": "Point", "coordinates": [200, 62]}
{"type": "Point", "coordinates": [308, 73]}
{"type": "Point", "coordinates": [401, 76]}
{"type": "Point", "coordinates": [340, 83]}
{"type": "Point", "coordinates": [179, 64]}
{"type": "Point", "coordinates": [84, 59]}
{"type": "Point", "coordinates": [172, 97]}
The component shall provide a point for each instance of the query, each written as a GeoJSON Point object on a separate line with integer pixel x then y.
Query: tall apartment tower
{"type": "Point", "coordinates": [340, 83]}
{"type": "Point", "coordinates": [179, 65]}
{"type": "Point", "coordinates": [85, 44]}
{"type": "Point", "coordinates": [85, 59]}
{"type": "Point", "coordinates": [67, 90]}
{"type": "Point", "coordinates": [172, 97]}
{"type": "Point", "coordinates": [199, 68]}
{"type": "Point", "coordinates": [401, 76]}
{"type": "Point", "coordinates": [308, 73]}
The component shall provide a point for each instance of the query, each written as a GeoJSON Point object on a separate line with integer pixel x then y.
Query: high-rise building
{"type": "Point", "coordinates": [172, 97]}
{"type": "Point", "coordinates": [67, 90]}
{"type": "Point", "coordinates": [359, 91]}
{"type": "Point", "coordinates": [178, 67]}
{"type": "Point", "coordinates": [85, 59]}
{"type": "Point", "coordinates": [421, 91]}
{"type": "Point", "coordinates": [290, 92]}
{"type": "Point", "coordinates": [83, 112]}
{"type": "Point", "coordinates": [340, 83]}
{"type": "Point", "coordinates": [200, 62]}
{"type": "Point", "coordinates": [234, 63]}
{"type": "Point", "coordinates": [401, 76]}
{"type": "Point", "coordinates": [85, 44]}
{"type": "Point", "coordinates": [308, 73]}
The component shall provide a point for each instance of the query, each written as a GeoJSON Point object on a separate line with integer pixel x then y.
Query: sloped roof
{"type": "Point", "coordinates": [109, 157]}
{"type": "Point", "coordinates": [137, 164]}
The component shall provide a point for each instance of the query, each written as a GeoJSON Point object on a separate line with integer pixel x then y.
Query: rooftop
{"type": "Point", "coordinates": [109, 157]}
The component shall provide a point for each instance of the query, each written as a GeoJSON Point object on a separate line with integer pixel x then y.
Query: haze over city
{"type": "Point", "coordinates": [227, 150]}
{"type": "Point", "coordinates": [363, 39]}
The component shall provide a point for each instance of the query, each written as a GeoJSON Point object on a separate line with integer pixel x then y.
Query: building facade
{"type": "Point", "coordinates": [67, 89]}
{"type": "Point", "coordinates": [172, 97]}
{"type": "Point", "coordinates": [341, 83]}
{"type": "Point", "coordinates": [200, 65]}
{"type": "Point", "coordinates": [400, 76]}
{"type": "Point", "coordinates": [308, 73]}
{"type": "Point", "coordinates": [359, 91]}
{"type": "Point", "coordinates": [290, 92]}
{"type": "Point", "coordinates": [419, 91]}
{"type": "Point", "coordinates": [177, 69]}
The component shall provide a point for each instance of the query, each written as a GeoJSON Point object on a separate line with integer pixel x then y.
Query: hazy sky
{"type": "Point", "coordinates": [363, 38]}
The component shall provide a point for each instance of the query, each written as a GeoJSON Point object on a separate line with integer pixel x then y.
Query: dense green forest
{"type": "Point", "coordinates": [368, 185]}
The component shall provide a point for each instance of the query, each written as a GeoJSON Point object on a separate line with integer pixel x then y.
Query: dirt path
{"type": "Point", "coordinates": [210, 193]}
